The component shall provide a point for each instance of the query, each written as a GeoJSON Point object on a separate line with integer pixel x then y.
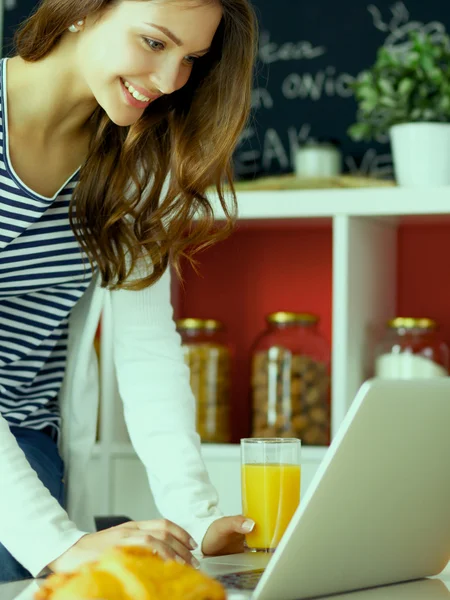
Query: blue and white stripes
{"type": "Point", "coordinates": [42, 276]}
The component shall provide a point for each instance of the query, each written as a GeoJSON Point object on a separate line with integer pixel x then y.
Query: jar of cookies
{"type": "Point", "coordinates": [208, 356]}
{"type": "Point", "coordinates": [291, 380]}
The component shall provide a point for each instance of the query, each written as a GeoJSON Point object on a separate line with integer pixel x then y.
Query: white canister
{"type": "Point", "coordinates": [421, 153]}
{"type": "Point", "coordinates": [411, 348]}
{"type": "Point", "coordinates": [316, 159]}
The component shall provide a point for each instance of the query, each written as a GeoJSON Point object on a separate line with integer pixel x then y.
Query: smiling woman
{"type": "Point", "coordinates": [116, 116]}
{"type": "Point", "coordinates": [189, 65]}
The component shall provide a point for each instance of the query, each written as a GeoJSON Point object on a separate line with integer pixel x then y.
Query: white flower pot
{"type": "Point", "coordinates": [421, 153]}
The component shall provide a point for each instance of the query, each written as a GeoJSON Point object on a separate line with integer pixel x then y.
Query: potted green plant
{"type": "Point", "coordinates": [406, 94]}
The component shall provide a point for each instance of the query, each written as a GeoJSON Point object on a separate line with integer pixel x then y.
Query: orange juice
{"type": "Point", "coordinates": [270, 496]}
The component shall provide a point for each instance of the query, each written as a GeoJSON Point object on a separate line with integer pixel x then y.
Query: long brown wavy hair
{"type": "Point", "coordinates": [121, 210]}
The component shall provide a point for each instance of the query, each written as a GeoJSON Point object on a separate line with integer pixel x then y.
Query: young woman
{"type": "Point", "coordinates": [116, 116]}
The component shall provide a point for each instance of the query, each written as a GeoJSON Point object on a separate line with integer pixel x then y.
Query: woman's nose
{"type": "Point", "coordinates": [169, 78]}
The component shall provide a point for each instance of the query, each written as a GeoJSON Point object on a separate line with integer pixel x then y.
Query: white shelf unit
{"type": "Point", "coordinates": [364, 228]}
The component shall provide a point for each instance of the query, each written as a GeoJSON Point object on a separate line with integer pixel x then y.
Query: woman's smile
{"type": "Point", "coordinates": [133, 96]}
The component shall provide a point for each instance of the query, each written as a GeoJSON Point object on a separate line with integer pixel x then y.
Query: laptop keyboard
{"type": "Point", "coordinates": [246, 580]}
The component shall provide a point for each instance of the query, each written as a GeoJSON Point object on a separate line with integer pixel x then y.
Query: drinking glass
{"type": "Point", "coordinates": [271, 475]}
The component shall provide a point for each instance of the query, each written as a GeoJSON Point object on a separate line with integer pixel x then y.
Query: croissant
{"type": "Point", "coordinates": [131, 573]}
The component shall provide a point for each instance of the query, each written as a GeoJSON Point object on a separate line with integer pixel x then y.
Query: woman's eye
{"type": "Point", "coordinates": [154, 45]}
{"type": "Point", "coordinates": [158, 46]}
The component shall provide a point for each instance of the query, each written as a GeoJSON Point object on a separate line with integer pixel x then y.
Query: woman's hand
{"type": "Point", "coordinates": [162, 536]}
{"type": "Point", "coordinates": [226, 536]}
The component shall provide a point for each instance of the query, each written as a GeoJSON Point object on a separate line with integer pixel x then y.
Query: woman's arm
{"type": "Point", "coordinates": [159, 406]}
{"type": "Point", "coordinates": [33, 526]}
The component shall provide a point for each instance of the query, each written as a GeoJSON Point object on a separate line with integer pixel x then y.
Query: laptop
{"type": "Point", "coordinates": [377, 511]}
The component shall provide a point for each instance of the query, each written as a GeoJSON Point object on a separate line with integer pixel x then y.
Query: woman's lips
{"type": "Point", "coordinates": [134, 101]}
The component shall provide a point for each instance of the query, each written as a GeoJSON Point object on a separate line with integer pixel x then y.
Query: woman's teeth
{"type": "Point", "coordinates": [135, 93]}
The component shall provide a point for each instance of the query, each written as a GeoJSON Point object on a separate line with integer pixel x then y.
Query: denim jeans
{"type": "Point", "coordinates": [42, 454]}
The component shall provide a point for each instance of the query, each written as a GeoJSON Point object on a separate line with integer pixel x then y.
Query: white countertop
{"type": "Point", "coordinates": [435, 588]}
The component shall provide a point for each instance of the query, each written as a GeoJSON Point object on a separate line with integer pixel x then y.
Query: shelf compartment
{"type": "Point", "coordinates": [253, 273]}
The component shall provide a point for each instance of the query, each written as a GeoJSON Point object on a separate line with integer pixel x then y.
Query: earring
{"type": "Point", "coordinates": [76, 28]}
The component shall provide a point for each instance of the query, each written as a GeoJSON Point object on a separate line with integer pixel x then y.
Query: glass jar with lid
{"type": "Point", "coordinates": [290, 380]}
{"type": "Point", "coordinates": [411, 348]}
{"type": "Point", "coordinates": [208, 356]}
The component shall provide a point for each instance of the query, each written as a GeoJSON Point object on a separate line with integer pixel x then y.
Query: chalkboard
{"type": "Point", "coordinates": [309, 54]}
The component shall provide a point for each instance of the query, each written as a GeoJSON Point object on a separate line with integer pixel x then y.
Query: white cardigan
{"type": "Point", "coordinates": [160, 415]}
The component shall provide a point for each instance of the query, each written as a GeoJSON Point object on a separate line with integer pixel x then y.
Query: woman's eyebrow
{"type": "Point", "coordinates": [167, 32]}
{"type": "Point", "coordinates": [171, 35]}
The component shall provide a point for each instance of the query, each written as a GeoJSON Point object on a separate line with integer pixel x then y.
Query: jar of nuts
{"type": "Point", "coordinates": [291, 380]}
{"type": "Point", "coordinates": [208, 356]}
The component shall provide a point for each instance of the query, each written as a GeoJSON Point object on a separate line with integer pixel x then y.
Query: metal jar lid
{"type": "Point", "coordinates": [412, 323]}
{"type": "Point", "coordinates": [204, 324]}
{"type": "Point", "coordinates": [283, 317]}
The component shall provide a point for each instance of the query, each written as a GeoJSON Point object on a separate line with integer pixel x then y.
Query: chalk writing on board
{"type": "Point", "coordinates": [399, 26]}
{"type": "Point", "coordinates": [315, 85]}
{"type": "Point", "coordinates": [372, 164]}
{"type": "Point", "coordinates": [270, 52]}
{"type": "Point", "coordinates": [261, 98]}
{"type": "Point", "coordinates": [270, 148]}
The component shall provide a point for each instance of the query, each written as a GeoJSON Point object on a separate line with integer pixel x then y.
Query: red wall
{"type": "Point", "coordinates": [424, 273]}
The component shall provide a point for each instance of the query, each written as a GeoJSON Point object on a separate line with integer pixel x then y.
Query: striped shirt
{"type": "Point", "coordinates": [42, 276]}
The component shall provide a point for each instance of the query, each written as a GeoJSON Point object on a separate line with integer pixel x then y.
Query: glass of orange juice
{"type": "Point", "coordinates": [271, 475]}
